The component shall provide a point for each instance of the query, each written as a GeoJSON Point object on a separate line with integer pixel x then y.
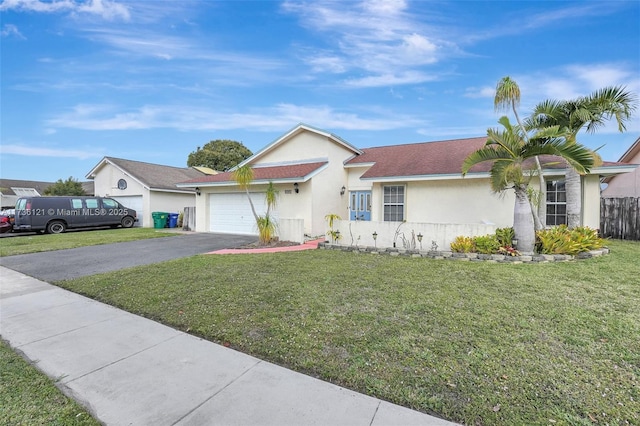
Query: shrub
{"type": "Point", "coordinates": [462, 244]}
{"type": "Point", "coordinates": [505, 236]}
{"type": "Point", "coordinates": [562, 240]}
{"type": "Point", "coordinates": [487, 244]}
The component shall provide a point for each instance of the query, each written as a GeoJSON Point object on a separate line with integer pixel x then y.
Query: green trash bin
{"type": "Point", "coordinates": [159, 219]}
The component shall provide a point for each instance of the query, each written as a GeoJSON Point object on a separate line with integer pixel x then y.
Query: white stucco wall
{"type": "Point", "coordinates": [360, 233]}
{"type": "Point", "coordinates": [591, 201]}
{"type": "Point", "coordinates": [106, 183]}
{"type": "Point", "coordinates": [169, 202]}
{"type": "Point", "coordinates": [450, 201]}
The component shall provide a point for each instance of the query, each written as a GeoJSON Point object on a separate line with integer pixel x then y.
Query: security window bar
{"type": "Point", "coordinates": [393, 203]}
{"type": "Point", "coordinates": [556, 203]}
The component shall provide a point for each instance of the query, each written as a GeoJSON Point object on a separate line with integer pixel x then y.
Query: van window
{"type": "Point", "coordinates": [110, 204]}
{"type": "Point", "coordinates": [21, 204]}
{"type": "Point", "coordinates": [92, 203]}
{"type": "Point", "coordinates": [76, 203]}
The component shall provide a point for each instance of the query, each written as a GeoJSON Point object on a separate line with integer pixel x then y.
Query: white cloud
{"type": "Point", "coordinates": [33, 151]}
{"type": "Point", "coordinates": [480, 92]}
{"type": "Point", "coordinates": [378, 40]}
{"type": "Point", "coordinates": [11, 30]}
{"type": "Point", "coordinates": [188, 118]}
{"type": "Point", "coordinates": [106, 9]}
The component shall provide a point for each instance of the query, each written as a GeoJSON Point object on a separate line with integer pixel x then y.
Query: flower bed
{"type": "Point", "coordinates": [469, 257]}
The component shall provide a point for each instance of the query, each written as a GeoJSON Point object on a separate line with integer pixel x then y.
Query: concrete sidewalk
{"type": "Point", "coordinates": [129, 370]}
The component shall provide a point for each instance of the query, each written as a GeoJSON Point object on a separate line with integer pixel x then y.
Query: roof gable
{"type": "Point", "coordinates": [291, 134]}
{"type": "Point", "coordinates": [631, 153]}
{"type": "Point", "coordinates": [152, 176]}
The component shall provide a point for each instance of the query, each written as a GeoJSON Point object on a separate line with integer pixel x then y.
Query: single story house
{"type": "Point", "coordinates": [12, 189]}
{"type": "Point", "coordinates": [145, 187]}
{"type": "Point", "coordinates": [392, 191]}
{"type": "Point", "coordinates": [628, 184]}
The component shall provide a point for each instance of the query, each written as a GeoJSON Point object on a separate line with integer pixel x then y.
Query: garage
{"type": "Point", "coordinates": [231, 213]}
{"type": "Point", "coordinates": [133, 202]}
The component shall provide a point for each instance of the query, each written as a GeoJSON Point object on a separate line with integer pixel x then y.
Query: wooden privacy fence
{"type": "Point", "coordinates": [620, 218]}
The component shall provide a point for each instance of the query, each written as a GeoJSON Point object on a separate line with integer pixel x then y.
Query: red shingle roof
{"type": "Point", "coordinates": [419, 159]}
{"type": "Point", "coordinates": [295, 171]}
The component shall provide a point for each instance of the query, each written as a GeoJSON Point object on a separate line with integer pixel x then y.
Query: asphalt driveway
{"type": "Point", "coordinates": [59, 265]}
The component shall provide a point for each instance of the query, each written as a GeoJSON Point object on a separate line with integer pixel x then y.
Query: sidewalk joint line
{"type": "Point", "coordinates": [218, 392]}
{"type": "Point", "coordinates": [375, 413]}
{"type": "Point", "coordinates": [123, 358]}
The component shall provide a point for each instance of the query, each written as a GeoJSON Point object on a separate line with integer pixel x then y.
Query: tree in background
{"type": "Point", "coordinates": [221, 155]}
{"type": "Point", "coordinates": [68, 187]}
{"type": "Point", "coordinates": [508, 149]}
{"type": "Point", "coordinates": [590, 112]}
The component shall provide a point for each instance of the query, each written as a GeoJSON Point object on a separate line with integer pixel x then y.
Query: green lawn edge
{"type": "Point", "coordinates": [25, 244]}
{"type": "Point", "coordinates": [29, 397]}
{"type": "Point", "coordinates": [475, 343]}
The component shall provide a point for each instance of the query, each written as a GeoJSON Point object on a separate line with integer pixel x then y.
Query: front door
{"type": "Point", "coordinates": [360, 205]}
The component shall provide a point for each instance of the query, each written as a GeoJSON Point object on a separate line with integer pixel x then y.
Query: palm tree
{"type": "Point", "coordinates": [508, 149]}
{"type": "Point", "coordinates": [266, 224]}
{"type": "Point", "coordinates": [590, 112]}
{"type": "Point", "coordinates": [508, 97]}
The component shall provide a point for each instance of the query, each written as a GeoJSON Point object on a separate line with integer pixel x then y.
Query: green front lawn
{"type": "Point", "coordinates": [28, 397]}
{"type": "Point", "coordinates": [477, 343]}
{"type": "Point", "coordinates": [23, 244]}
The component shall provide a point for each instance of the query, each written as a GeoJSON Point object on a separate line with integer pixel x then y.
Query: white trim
{"type": "Point", "coordinates": [255, 182]}
{"type": "Point", "coordinates": [290, 163]}
{"type": "Point", "coordinates": [288, 135]}
{"type": "Point", "coordinates": [92, 174]}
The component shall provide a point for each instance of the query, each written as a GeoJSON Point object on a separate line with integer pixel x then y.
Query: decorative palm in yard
{"type": "Point", "coordinates": [590, 112]}
{"type": "Point", "coordinates": [508, 149]}
{"type": "Point", "coordinates": [508, 97]}
{"type": "Point", "coordinates": [266, 224]}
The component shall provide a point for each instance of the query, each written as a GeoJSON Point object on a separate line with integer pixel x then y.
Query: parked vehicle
{"type": "Point", "coordinates": [55, 215]}
{"type": "Point", "coordinates": [6, 222]}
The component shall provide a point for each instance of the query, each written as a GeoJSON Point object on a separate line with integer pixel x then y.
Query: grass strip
{"type": "Point", "coordinates": [24, 244]}
{"type": "Point", "coordinates": [28, 397]}
{"type": "Point", "coordinates": [472, 342]}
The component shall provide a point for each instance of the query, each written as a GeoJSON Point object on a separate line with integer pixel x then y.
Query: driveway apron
{"type": "Point", "coordinates": [82, 261]}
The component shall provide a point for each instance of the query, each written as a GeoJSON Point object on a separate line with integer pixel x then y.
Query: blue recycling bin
{"type": "Point", "coordinates": [173, 220]}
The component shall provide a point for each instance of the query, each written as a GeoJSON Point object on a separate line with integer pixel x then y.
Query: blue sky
{"type": "Point", "coordinates": [153, 80]}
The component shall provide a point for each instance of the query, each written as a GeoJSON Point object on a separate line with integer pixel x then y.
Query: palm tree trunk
{"type": "Point", "coordinates": [523, 221]}
{"type": "Point", "coordinates": [539, 219]}
{"type": "Point", "coordinates": [253, 209]}
{"type": "Point", "coordinates": [574, 197]}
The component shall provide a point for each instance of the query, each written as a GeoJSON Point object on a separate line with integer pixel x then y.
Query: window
{"type": "Point", "coordinates": [76, 203]}
{"type": "Point", "coordinates": [556, 203]}
{"type": "Point", "coordinates": [25, 192]}
{"type": "Point", "coordinates": [393, 204]}
{"type": "Point", "coordinates": [92, 203]}
{"type": "Point", "coordinates": [110, 204]}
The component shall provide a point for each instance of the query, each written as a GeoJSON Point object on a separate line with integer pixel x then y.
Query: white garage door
{"type": "Point", "coordinates": [133, 202]}
{"type": "Point", "coordinates": [231, 213]}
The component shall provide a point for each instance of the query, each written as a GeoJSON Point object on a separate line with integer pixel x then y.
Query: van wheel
{"type": "Point", "coordinates": [127, 222]}
{"type": "Point", "coordinates": [56, 227]}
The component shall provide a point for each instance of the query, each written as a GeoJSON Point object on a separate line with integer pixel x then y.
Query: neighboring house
{"type": "Point", "coordinates": [375, 190]}
{"type": "Point", "coordinates": [628, 184]}
{"type": "Point", "coordinates": [145, 187]}
{"type": "Point", "coordinates": [12, 189]}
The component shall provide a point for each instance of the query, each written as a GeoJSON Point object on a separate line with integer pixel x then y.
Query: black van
{"type": "Point", "coordinates": [56, 214]}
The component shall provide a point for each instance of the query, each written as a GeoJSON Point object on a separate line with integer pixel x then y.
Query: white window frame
{"type": "Point", "coordinates": [556, 200]}
{"type": "Point", "coordinates": [386, 217]}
